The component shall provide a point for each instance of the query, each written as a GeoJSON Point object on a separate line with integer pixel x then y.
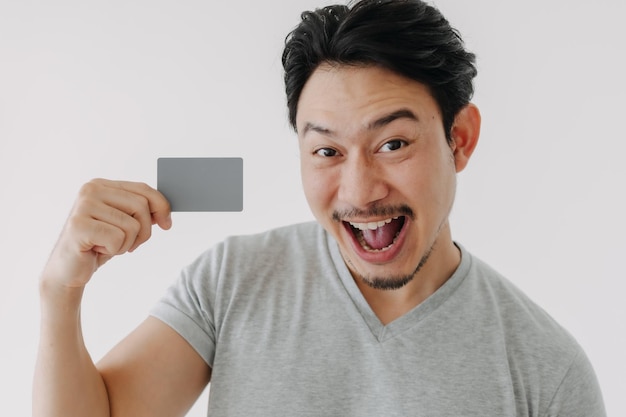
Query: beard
{"type": "Point", "coordinates": [397, 281]}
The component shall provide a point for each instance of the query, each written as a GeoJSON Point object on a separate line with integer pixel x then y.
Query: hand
{"type": "Point", "coordinates": [109, 218]}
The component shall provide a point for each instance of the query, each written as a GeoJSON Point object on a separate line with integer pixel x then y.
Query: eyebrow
{"type": "Point", "coordinates": [385, 120]}
{"type": "Point", "coordinates": [376, 124]}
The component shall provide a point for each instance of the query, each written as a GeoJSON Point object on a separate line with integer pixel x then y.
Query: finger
{"type": "Point", "coordinates": [135, 206]}
{"type": "Point", "coordinates": [159, 207]}
{"type": "Point", "coordinates": [120, 208]}
{"type": "Point", "coordinates": [109, 240]}
{"type": "Point", "coordinates": [141, 201]}
{"type": "Point", "coordinates": [93, 235]}
{"type": "Point", "coordinates": [107, 226]}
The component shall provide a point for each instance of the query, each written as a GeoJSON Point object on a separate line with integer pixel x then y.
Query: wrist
{"type": "Point", "coordinates": [59, 297]}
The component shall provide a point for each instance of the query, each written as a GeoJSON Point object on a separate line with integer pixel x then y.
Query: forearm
{"type": "Point", "coordinates": [66, 381]}
{"type": "Point", "coordinates": [109, 218]}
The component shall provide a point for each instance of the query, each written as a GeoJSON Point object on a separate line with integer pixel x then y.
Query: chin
{"type": "Point", "coordinates": [387, 283]}
{"type": "Point", "coordinates": [384, 277]}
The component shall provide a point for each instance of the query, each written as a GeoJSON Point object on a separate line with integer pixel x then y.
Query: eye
{"type": "Point", "coordinates": [393, 145]}
{"type": "Point", "coordinates": [326, 152]}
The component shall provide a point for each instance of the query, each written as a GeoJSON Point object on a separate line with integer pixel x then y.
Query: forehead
{"type": "Point", "coordinates": [345, 96]}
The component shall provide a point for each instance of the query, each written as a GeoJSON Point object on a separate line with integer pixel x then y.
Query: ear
{"type": "Point", "coordinates": [465, 132]}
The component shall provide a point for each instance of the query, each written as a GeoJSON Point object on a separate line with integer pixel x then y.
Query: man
{"type": "Point", "coordinates": [372, 310]}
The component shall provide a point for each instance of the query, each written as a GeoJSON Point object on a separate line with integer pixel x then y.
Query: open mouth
{"type": "Point", "coordinates": [377, 236]}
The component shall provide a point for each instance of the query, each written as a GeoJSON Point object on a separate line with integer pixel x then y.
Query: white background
{"type": "Point", "coordinates": [102, 89]}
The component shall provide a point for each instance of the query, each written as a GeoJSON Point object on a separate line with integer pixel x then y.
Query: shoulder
{"type": "Point", "coordinates": [531, 337]}
{"type": "Point", "coordinates": [244, 266]}
{"type": "Point", "coordinates": [544, 359]}
{"type": "Point", "coordinates": [295, 235]}
{"type": "Point", "coordinates": [520, 316]}
{"type": "Point", "coordinates": [270, 250]}
{"type": "Point", "coordinates": [540, 351]}
{"type": "Point", "coordinates": [270, 246]}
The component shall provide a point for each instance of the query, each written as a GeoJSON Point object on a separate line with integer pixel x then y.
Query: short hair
{"type": "Point", "coordinates": [408, 37]}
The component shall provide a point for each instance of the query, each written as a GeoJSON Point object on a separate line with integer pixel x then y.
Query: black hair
{"type": "Point", "coordinates": [408, 37]}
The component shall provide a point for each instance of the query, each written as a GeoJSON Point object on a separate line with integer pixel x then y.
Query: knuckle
{"type": "Point", "coordinates": [134, 226]}
{"type": "Point", "coordinates": [142, 188]}
{"type": "Point", "coordinates": [142, 201]}
{"type": "Point", "coordinates": [114, 240]}
{"type": "Point", "coordinates": [74, 226]}
{"type": "Point", "coordinates": [146, 233]}
{"type": "Point", "coordinates": [144, 230]}
{"type": "Point", "coordinates": [89, 188]}
{"type": "Point", "coordinates": [140, 208]}
{"type": "Point", "coordinates": [118, 216]}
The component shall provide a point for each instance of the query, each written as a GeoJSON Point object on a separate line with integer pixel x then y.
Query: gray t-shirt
{"type": "Point", "coordinates": [287, 332]}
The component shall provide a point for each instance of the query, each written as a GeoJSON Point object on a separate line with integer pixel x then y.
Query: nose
{"type": "Point", "coordinates": [362, 182]}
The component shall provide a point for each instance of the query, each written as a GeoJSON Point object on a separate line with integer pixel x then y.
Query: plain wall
{"type": "Point", "coordinates": [104, 88]}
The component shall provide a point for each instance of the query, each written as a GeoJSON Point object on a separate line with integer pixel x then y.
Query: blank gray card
{"type": "Point", "coordinates": [201, 184]}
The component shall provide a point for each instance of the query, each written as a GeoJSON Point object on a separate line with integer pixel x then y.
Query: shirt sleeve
{"type": "Point", "coordinates": [579, 394]}
{"type": "Point", "coordinates": [187, 306]}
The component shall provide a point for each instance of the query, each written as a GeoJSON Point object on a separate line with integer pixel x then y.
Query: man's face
{"type": "Point", "coordinates": [377, 171]}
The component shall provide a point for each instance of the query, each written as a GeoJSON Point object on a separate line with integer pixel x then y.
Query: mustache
{"type": "Point", "coordinates": [374, 211]}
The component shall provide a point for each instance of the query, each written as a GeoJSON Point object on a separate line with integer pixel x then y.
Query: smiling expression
{"type": "Point", "coordinates": [378, 172]}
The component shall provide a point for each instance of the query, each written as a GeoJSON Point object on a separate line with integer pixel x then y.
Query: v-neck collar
{"type": "Point", "coordinates": [385, 332]}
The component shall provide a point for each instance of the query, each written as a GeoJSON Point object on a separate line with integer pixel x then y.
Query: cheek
{"type": "Point", "coordinates": [428, 182]}
{"type": "Point", "coordinates": [443, 188]}
{"type": "Point", "coordinates": [317, 188]}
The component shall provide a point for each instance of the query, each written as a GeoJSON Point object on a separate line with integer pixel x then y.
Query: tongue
{"type": "Point", "coordinates": [383, 236]}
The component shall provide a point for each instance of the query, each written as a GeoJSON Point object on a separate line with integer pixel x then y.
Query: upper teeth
{"type": "Point", "coordinates": [371, 225]}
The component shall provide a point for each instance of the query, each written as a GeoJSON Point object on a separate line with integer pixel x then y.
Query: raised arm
{"type": "Point", "coordinates": [154, 371]}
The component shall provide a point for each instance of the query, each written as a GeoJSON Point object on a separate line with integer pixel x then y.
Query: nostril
{"type": "Point", "coordinates": [362, 191]}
